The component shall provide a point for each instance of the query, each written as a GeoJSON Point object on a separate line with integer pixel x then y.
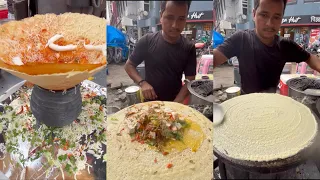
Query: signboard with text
{"type": "Point", "coordinates": [311, 1]}
{"type": "Point", "coordinates": [306, 19]}
{"type": "Point", "coordinates": [289, 2]}
{"type": "Point", "coordinates": [200, 15]}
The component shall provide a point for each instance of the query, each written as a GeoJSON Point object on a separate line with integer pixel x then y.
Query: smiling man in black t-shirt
{"type": "Point", "coordinates": [167, 55]}
{"type": "Point", "coordinates": [261, 53]}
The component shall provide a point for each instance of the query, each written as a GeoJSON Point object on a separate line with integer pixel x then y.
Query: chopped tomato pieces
{"type": "Point", "coordinates": [27, 108]}
{"type": "Point", "coordinates": [21, 110]}
{"type": "Point", "coordinates": [155, 160]}
{"type": "Point", "coordinates": [165, 153]}
{"type": "Point", "coordinates": [69, 155]}
{"type": "Point", "coordinates": [121, 130]}
{"type": "Point", "coordinates": [169, 165]}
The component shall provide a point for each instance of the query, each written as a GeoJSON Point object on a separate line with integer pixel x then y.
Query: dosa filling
{"type": "Point", "coordinates": [163, 129]}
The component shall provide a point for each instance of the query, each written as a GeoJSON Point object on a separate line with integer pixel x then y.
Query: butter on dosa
{"type": "Point", "coordinates": [159, 140]}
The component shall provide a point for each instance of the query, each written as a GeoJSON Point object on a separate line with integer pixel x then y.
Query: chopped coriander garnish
{"type": "Point", "coordinates": [8, 108]}
{"type": "Point", "coordinates": [72, 160]}
{"type": "Point", "coordinates": [113, 119]}
{"type": "Point", "coordinates": [68, 168]}
{"type": "Point", "coordinates": [84, 103]}
{"type": "Point", "coordinates": [63, 157]}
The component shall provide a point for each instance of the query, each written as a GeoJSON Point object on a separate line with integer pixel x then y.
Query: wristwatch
{"type": "Point", "coordinates": [140, 82]}
{"type": "Point", "coordinates": [186, 81]}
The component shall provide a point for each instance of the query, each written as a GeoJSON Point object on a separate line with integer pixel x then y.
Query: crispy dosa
{"type": "Point", "coordinates": [28, 41]}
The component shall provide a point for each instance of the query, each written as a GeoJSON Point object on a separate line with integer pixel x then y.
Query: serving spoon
{"type": "Point", "coordinates": [218, 114]}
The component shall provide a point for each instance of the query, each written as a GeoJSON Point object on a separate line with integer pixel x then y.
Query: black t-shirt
{"type": "Point", "coordinates": [165, 63]}
{"type": "Point", "coordinates": [261, 65]}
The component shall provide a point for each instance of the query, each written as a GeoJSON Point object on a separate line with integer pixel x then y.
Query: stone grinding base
{"type": "Point", "coordinates": [56, 108]}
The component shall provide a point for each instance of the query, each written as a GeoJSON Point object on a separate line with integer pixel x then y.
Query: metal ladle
{"type": "Point", "coordinates": [218, 114]}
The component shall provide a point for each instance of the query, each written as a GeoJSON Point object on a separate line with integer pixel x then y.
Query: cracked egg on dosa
{"type": "Point", "coordinates": [159, 140]}
{"type": "Point", "coordinates": [55, 52]}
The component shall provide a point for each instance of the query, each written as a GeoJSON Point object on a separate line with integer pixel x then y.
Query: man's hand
{"type": "Point", "coordinates": [184, 92]}
{"type": "Point", "coordinates": [148, 91]}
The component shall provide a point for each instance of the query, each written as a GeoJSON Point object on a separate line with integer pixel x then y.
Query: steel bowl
{"type": "Point", "coordinates": [303, 97]}
{"type": "Point", "coordinates": [196, 98]}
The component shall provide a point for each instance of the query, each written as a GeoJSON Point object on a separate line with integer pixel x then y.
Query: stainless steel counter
{"type": "Point", "coordinates": [7, 81]}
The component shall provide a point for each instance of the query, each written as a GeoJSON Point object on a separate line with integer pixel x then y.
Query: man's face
{"type": "Point", "coordinates": [173, 19]}
{"type": "Point", "coordinates": [268, 18]}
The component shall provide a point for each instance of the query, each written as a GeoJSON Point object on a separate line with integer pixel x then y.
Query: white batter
{"type": "Point", "coordinates": [264, 127]}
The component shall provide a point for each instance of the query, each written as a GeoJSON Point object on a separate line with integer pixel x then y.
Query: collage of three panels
{"type": "Point", "coordinates": [170, 90]}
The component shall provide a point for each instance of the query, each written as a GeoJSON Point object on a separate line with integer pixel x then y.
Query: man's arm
{"type": "Point", "coordinates": [229, 48]}
{"type": "Point", "coordinates": [219, 58]}
{"type": "Point", "coordinates": [137, 57]}
{"type": "Point", "coordinates": [314, 62]}
{"type": "Point", "coordinates": [294, 53]}
{"type": "Point", "coordinates": [190, 74]}
{"type": "Point", "coordinates": [131, 70]}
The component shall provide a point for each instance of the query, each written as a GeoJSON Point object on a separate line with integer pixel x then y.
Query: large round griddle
{"type": "Point", "coordinates": [265, 167]}
{"type": "Point", "coordinates": [268, 167]}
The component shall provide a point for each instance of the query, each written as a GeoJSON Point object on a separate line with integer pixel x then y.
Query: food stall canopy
{"type": "Point", "coordinates": [115, 38]}
{"type": "Point", "coordinates": [217, 39]}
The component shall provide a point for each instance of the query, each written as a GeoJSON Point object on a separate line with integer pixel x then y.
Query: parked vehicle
{"type": "Point", "coordinates": [200, 48]}
{"type": "Point", "coordinates": [314, 48]}
{"type": "Point", "coordinates": [203, 45]}
{"type": "Point", "coordinates": [117, 50]}
{"type": "Point", "coordinates": [131, 44]}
